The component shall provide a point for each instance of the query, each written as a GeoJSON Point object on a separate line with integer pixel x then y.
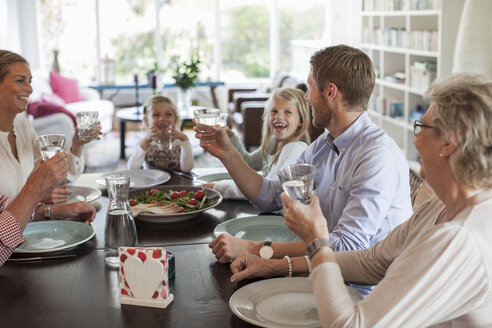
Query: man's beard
{"type": "Point", "coordinates": [324, 114]}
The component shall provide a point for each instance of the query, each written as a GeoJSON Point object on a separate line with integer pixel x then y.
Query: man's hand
{"type": "Point", "coordinates": [79, 211]}
{"type": "Point", "coordinates": [222, 145]}
{"type": "Point", "coordinates": [306, 221]}
{"type": "Point", "coordinates": [249, 266]}
{"type": "Point", "coordinates": [58, 196]}
{"type": "Point", "coordinates": [227, 248]}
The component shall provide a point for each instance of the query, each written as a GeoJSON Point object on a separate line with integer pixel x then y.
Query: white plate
{"type": "Point", "coordinates": [279, 302]}
{"type": "Point", "coordinates": [52, 236]}
{"type": "Point", "coordinates": [257, 228]}
{"type": "Point", "coordinates": [214, 177]}
{"type": "Point", "coordinates": [139, 178]}
{"type": "Point", "coordinates": [214, 197]}
{"type": "Point", "coordinates": [82, 194]}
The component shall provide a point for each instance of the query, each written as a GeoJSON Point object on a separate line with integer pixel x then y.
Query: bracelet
{"type": "Point", "coordinates": [308, 262]}
{"type": "Point", "coordinates": [289, 262]}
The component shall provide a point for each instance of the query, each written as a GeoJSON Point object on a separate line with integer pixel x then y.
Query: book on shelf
{"type": "Point", "coordinates": [422, 73]}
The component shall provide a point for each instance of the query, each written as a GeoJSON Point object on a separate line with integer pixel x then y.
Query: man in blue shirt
{"type": "Point", "coordinates": [362, 177]}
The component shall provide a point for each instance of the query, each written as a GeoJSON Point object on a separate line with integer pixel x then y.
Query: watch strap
{"type": "Point", "coordinates": [47, 212]}
{"type": "Point", "coordinates": [316, 245]}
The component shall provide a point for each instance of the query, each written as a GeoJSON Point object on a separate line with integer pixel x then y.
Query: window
{"type": "Point", "coordinates": [232, 38]}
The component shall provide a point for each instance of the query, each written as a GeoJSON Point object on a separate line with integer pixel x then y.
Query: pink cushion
{"type": "Point", "coordinates": [43, 108]}
{"type": "Point", "coordinates": [65, 88]}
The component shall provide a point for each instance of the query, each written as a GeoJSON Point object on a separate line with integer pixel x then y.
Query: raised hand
{"type": "Point", "coordinates": [306, 221]}
{"type": "Point", "coordinates": [227, 248]}
{"type": "Point", "coordinates": [48, 175]}
{"type": "Point", "coordinates": [222, 145]}
{"type": "Point", "coordinates": [58, 196]}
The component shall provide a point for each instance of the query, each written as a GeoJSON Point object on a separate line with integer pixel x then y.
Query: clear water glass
{"type": "Point", "coordinates": [298, 181]}
{"type": "Point", "coordinates": [50, 145]}
{"type": "Point", "coordinates": [206, 119]}
{"type": "Point", "coordinates": [120, 227]}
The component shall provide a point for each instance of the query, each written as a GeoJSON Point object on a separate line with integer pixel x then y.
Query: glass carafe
{"type": "Point", "coordinates": [120, 226]}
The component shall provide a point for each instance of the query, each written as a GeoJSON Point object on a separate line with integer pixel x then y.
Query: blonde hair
{"type": "Point", "coordinates": [7, 58]}
{"type": "Point", "coordinates": [462, 110]}
{"type": "Point", "coordinates": [296, 97]}
{"type": "Point", "coordinates": [161, 99]}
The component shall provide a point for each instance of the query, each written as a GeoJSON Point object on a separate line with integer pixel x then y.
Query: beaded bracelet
{"type": "Point", "coordinates": [290, 265]}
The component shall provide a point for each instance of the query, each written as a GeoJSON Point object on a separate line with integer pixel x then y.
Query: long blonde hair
{"type": "Point", "coordinates": [160, 99]}
{"type": "Point", "coordinates": [296, 97]}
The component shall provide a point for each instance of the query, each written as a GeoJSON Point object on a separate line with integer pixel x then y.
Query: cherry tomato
{"type": "Point", "coordinates": [153, 191]}
{"type": "Point", "coordinates": [181, 210]}
{"type": "Point", "coordinates": [199, 195]}
{"type": "Point", "coordinates": [183, 193]}
{"type": "Point", "coordinates": [153, 202]}
{"type": "Point", "coordinates": [193, 202]}
{"type": "Point", "coordinates": [133, 202]}
{"type": "Point", "coordinates": [175, 195]}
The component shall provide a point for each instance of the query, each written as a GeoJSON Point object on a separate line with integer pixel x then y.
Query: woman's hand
{"type": "Point", "coordinates": [46, 176]}
{"type": "Point", "coordinates": [78, 144]}
{"type": "Point", "coordinates": [58, 196]}
{"type": "Point", "coordinates": [209, 185]}
{"type": "Point", "coordinates": [306, 221]}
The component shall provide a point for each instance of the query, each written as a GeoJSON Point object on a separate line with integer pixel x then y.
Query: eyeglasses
{"type": "Point", "coordinates": [417, 127]}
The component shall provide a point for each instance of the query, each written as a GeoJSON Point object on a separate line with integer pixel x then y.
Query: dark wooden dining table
{"type": "Point", "coordinates": [80, 291]}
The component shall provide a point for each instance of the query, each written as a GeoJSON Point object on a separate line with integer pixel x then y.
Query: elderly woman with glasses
{"type": "Point", "coordinates": [434, 269]}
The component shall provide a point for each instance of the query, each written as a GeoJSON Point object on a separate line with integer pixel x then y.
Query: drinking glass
{"type": "Point", "coordinates": [50, 145]}
{"type": "Point", "coordinates": [120, 227]}
{"type": "Point", "coordinates": [87, 125]}
{"type": "Point", "coordinates": [298, 181]}
{"type": "Point", "coordinates": [206, 119]}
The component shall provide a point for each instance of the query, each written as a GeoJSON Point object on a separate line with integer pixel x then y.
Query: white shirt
{"type": "Point", "coordinates": [15, 172]}
{"type": "Point", "coordinates": [427, 274]}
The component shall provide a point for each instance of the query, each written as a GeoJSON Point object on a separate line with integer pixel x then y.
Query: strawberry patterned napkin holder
{"type": "Point", "coordinates": [144, 276]}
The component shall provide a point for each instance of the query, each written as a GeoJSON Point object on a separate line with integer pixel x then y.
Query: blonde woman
{"type": "Point", "coordinates": [162, 122]}
{"type": "Point", "coordinates": [285, 136]}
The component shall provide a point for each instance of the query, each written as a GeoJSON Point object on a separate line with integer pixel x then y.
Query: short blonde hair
{"type": "Point", "coordinates": [296, 97]}
{"type": "Point", "coordinates": [161, 99]}
{"type": "Point", "coordinates": [462, 110]}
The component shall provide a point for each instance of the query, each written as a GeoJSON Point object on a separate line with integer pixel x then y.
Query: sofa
{"type": "Point", "coordinates": [58, 114]}
{"type": "Point", "coordinates": [246, 106]}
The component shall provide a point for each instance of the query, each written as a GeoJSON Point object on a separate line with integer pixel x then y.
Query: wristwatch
{"type": "Point", "coordinates": [47, 212]}
{"type": "Point", "coordinates": [266, 251]}
{"type": "Point", "coordinates": [316, 245]}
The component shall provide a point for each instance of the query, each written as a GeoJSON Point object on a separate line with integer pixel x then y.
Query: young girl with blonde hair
{"type": "Point", "coordinates": [285, 136]}
{"type": "Point", "coordinates": [164, 147]}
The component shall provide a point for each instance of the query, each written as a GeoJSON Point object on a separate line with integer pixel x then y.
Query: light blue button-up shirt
{"type": "Point", "coordinates": [364, 190]}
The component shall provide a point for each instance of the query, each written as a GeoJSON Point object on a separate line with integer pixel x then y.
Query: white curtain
{"type": "Point", "coordinates": [473, 52]}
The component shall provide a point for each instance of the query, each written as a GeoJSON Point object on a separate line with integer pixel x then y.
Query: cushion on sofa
{"type": "Point", "coordinates": [65, 88]}
{"type": "Point", "coordinates": [45, 107]}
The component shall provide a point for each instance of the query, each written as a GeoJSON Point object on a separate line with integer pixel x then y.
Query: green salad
{"type": "Point", "coordinates": [187, 200]}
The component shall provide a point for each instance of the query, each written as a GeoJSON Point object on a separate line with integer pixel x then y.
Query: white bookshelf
{"type": "Point", "coordinates": [436, 22]}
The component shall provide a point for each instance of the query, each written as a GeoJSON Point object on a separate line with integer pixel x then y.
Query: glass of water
{"type": "Point", "coordinates": [206, 119]}
{"type": "Point", "coordinates": [298, 181]}
{"type": "Point", "coordinates": [50, 145]}
{"type": "Point", "coordinates": [87, 125]}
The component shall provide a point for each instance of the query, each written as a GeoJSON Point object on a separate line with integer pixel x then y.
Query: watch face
{"type": "Point", "coordinates": [266, 252]}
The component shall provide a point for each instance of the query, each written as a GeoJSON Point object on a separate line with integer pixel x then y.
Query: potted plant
{"type": "Point", "coordinates": [185, 74]}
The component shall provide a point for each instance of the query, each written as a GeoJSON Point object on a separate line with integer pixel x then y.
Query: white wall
{"type": "Point", "coordinates": [18, 29]}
